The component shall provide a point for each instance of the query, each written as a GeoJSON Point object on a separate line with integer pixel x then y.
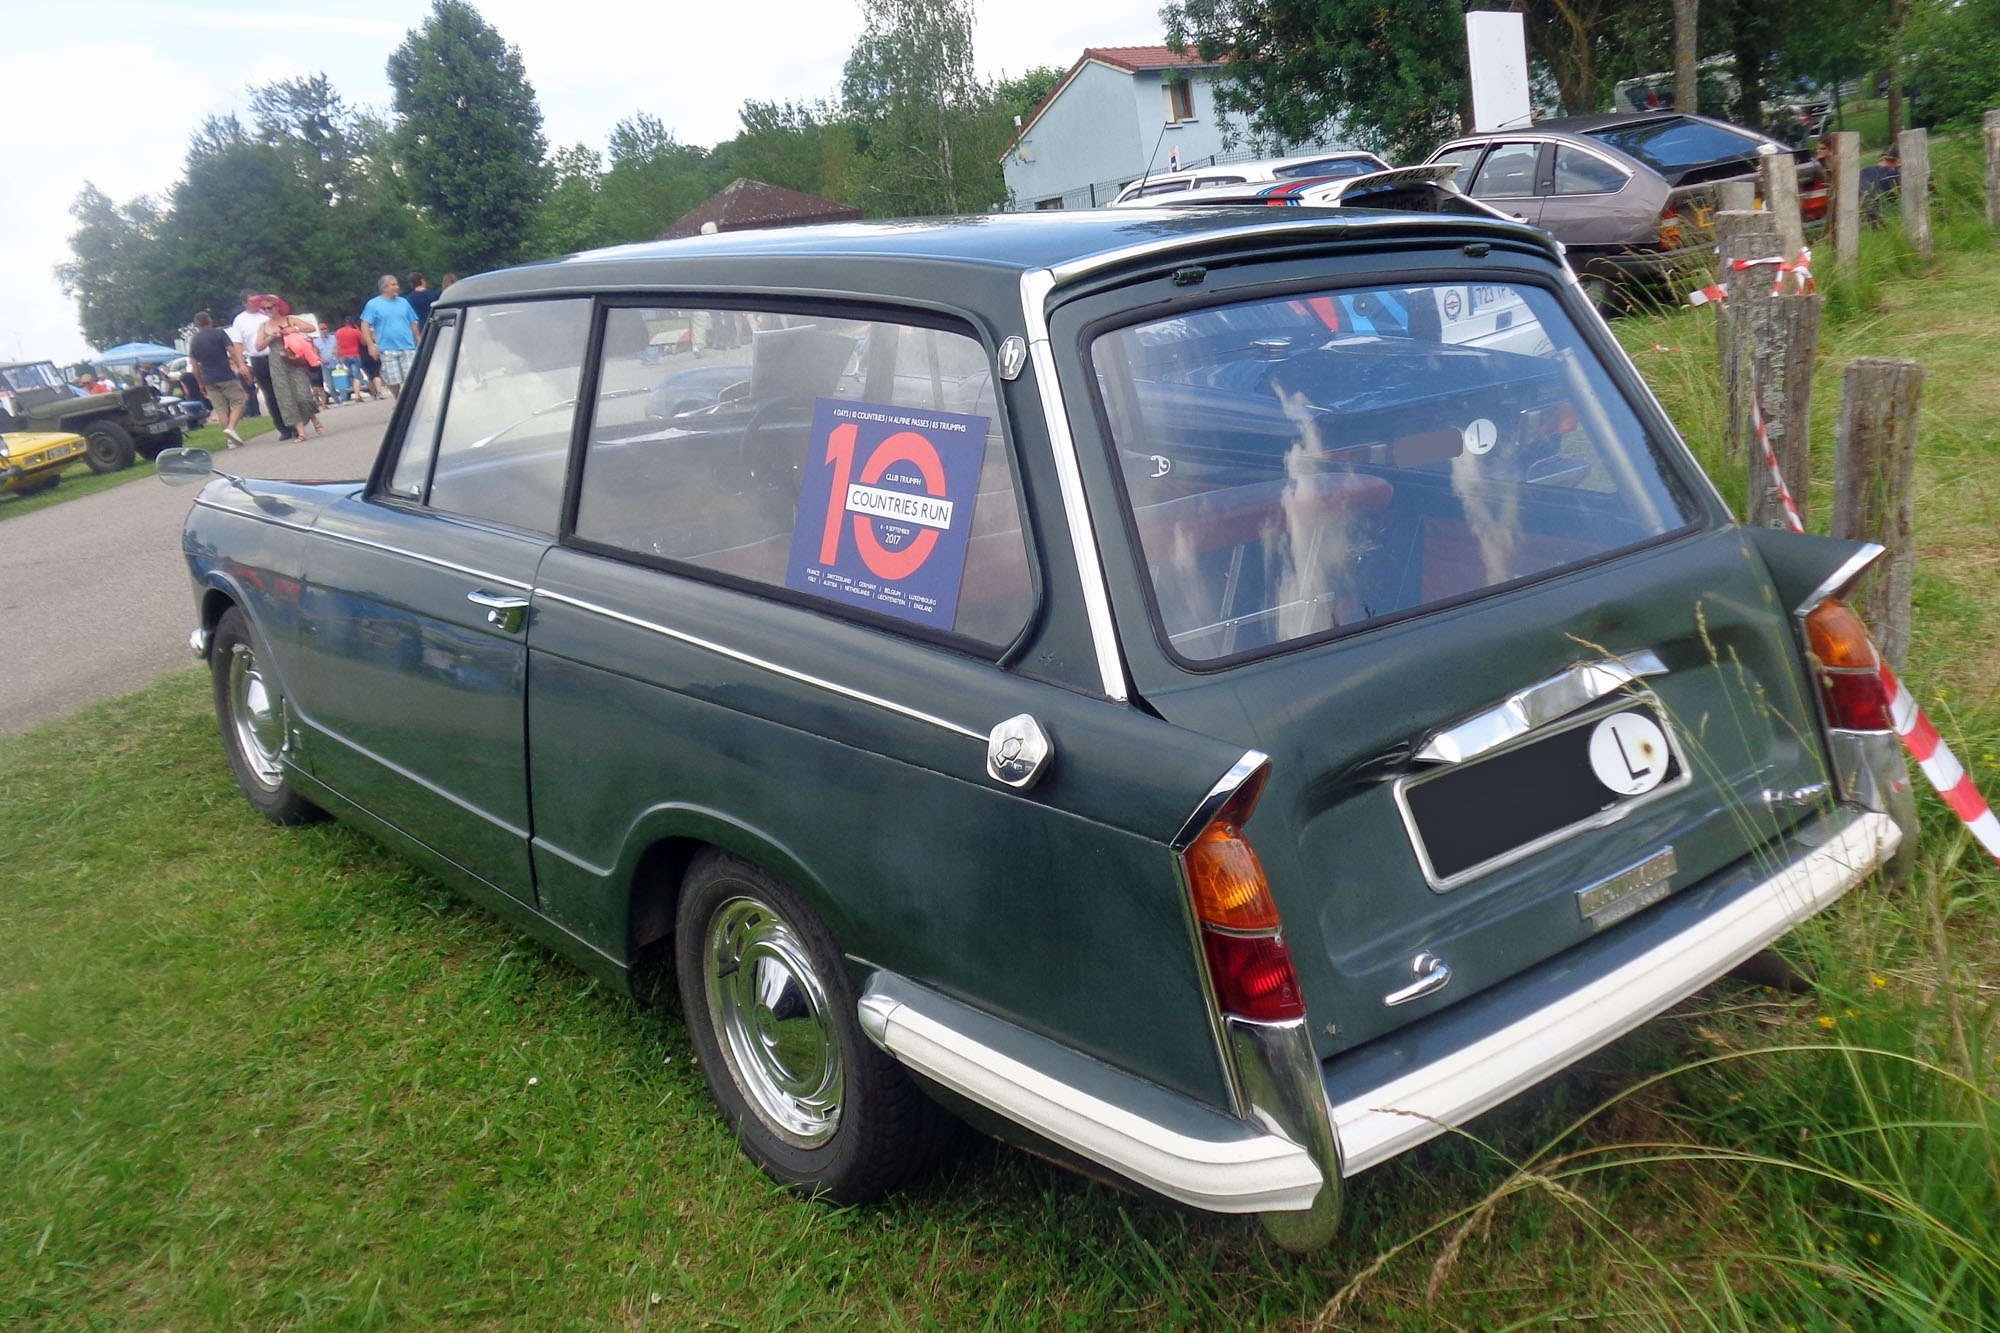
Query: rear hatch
{"type": "Point", "coordinates": [1517, 677]}
{"type": "Point", "coordinates": [1694, 156]}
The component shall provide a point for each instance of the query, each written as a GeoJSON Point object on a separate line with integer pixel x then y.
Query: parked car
{"type": "Point", "coordinates": [32, 461]}
{"type": "Point", "coordinates": [1130, 680]}
{"type": "Point", "coordinates": [1631, 196]}
{"type": "Point", "coordinates": [1315, 166]}
{"type": "Point", "coordinates": [115, 426]}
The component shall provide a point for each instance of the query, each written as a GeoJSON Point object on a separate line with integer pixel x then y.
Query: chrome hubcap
{"type": "Point", "coordinates": [256, 716]}
{"type": "Point", "coordinates": [773, 1021]}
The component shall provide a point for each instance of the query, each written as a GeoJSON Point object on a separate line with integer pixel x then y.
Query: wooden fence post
{"type": "Point", "coordinates": [1741, 235]}
{"type": "Point", "coordinates": [1914, 147]}
{"type": "Point", "coordinates": [1845, 211]}
{"type": "Point", "coordinates": [1780, 176]}
{"type": "Point", "coordinates": [1875, 452]}
{"type": "Point", "coordinates": [1737, 197]}
{"type": "Point", "coordinates": [1991, 124]}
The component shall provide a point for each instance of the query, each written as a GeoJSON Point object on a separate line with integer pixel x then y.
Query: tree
{"type": "Point", "coordinates": [804, 146]}
{"type": "Point", "coordinates": [929, 140]}
{"type": "Point", "coordinates": [307, 121]}
{"type": "Point", "coordinates": [570, 218]}
{"type": "Point", "coordinates": [469, 135]}
{"type": "Point", "coordinates": [1392, 72]}
{"type": "Point", "coordinates": [653, 179]}
{"type": "Point", "coordinates": [110, 276]}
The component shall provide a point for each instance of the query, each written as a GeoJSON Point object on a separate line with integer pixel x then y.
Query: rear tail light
{"type": "Point", "coordinates": [1850, 672]}
{"type": "Point", "coordinates": [1249, 963]}
{"type": "Point", "coordinates": [1539, 422]}
{"type": "Point", "coordinates": [1669, 228]}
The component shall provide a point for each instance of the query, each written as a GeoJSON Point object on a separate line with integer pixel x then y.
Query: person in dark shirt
{"type": "Point", "coordinates": [420, 296]}
{"type": "Point", "coordinates": [1878, 184]}
{"type": "Point", "coordinates": [220, 371]}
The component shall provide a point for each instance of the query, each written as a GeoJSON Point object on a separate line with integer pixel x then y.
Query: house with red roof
{"type": "Point", "coordinates": [1118, 113]}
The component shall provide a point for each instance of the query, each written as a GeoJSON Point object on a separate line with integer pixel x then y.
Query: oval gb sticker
{"type": "Point", "coordinates": [1629, 753]}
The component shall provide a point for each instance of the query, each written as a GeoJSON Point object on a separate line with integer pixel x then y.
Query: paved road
{"type": "Point", "coordinates": [94, 594]}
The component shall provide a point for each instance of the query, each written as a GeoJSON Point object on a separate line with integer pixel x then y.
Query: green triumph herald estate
{"type": "Point", "coordinates": [1216, 697]}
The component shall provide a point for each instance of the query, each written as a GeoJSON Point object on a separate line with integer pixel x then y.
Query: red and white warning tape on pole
{"type": "Point", "coordinates": [1919, 737]}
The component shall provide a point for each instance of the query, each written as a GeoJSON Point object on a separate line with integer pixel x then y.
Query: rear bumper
{"type": "Point", "coordinates": [1394, 1093]}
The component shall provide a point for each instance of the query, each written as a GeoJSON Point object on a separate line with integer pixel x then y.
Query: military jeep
{"type": "Point", "coordinates": [35, 397]}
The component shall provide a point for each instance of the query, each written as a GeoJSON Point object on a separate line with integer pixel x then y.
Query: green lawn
{"type": "Point", "coordinates": [262, 1078]}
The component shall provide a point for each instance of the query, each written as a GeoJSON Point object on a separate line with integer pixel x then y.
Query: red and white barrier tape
{"type": "Point", "coordinates": [1915, 730]}
{"type": "Point", "coordinates": [1800, 269]}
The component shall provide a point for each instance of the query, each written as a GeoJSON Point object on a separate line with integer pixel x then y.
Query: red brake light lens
{"type": "Point", "coordinates": [1249, 964]}
{"type": "Point", "coordinates": [1253, 976]}
{"type": "Point", "coordinates": [1850, 679]}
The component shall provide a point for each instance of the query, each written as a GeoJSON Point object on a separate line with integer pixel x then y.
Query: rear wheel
{"type": "Point", "coordinates": [107, 446]}
{"type": "Point", "coordinates": [771, 1011]}
{"type": "Point", "coordinates": [250, 707]}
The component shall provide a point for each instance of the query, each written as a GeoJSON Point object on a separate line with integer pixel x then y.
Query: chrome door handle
{"type": "Point", "coordinates": [504, 613]}
{"type": "Point", "coordinates": [1432, 974]}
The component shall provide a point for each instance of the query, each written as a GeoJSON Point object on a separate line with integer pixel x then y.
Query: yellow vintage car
{"type": "Point", "coordinates": [33, 460]}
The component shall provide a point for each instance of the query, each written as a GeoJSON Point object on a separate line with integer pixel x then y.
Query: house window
{"type": "Point", "coordinates": [1180, 100]}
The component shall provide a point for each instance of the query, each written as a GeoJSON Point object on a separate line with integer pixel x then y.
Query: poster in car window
{"type": "Point", "coordinates": [885, 508]}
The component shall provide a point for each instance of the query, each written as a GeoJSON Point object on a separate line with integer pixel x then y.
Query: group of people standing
{"type": "Point", "coordinates": [298, 367]}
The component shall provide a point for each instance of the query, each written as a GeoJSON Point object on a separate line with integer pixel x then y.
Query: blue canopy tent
{"type": "Point", "coordinates": [131, 354]}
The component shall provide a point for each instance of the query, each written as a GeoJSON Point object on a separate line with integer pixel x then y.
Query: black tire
{"type": "Point", "coordinates": [156, 445]}
{"type": "Point", "coordinates": [108, 446]}
{"type": "Point", "coordinates": [771, 1013]}
{"type": "Point", "coordinates": [250, 708]}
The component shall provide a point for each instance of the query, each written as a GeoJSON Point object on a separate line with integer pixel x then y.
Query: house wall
{"type": "Point", "coordinates": [1102, 131]}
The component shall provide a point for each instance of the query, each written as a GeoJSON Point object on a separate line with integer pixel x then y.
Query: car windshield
{"type": "Point", "coordinates": [1310, 463]}
{"type": "Point", "coordinates": [1677, 143]}
{"type": "Point", "coordinates": [40, 375]}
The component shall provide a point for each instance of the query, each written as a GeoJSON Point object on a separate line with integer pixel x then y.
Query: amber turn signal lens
{"type": "Point", "coordinates": [1228, 881]}
{"type": "Point", "coordinates": [1838, 639]}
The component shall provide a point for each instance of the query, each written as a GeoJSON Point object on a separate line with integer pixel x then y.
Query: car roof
{"type": "Point", "coordinates": [908, 256]}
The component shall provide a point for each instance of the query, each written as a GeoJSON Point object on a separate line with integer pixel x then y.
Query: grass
{"type": "Point", "coordinates": [79, 480]}
{"type": "Point", "coordinates": [272, 1079]}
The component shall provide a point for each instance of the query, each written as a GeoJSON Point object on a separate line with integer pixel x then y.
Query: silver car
{"type": "Point", "coordinates": [1630, 196]}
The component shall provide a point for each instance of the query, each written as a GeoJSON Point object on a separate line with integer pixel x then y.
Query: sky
{"type": "Point", "coordinates": [110, 94]}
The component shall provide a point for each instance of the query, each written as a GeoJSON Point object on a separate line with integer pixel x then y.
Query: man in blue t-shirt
{"type": "Point", "coordinates": [390, 327]}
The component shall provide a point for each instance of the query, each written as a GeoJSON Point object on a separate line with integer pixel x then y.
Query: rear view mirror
{"type": "Point", "coordinates": [185, 467]}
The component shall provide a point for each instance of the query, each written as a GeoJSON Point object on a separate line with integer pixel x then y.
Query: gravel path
{"type": "Point", "coordinates": [94, 595]}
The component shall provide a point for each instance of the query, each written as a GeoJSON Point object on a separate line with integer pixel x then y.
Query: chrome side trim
{"type": "Point", "coordinates": [1423, 1103]}
{"type": "Point", "coordinates": [1831, 586]}
{"type": "Point", "coordinates": [1224, 788]}
{"type": "Point", "coordinates": [1869, 769]}
{"type": "Point", "coordinates": [1243, 1170]}
{"type": "Point", "coordinates": [1035, 289]}
{"type": "Point", "coordinates": [764, 664]}
{"type": "Point", "coordinates": [1537, 705]}
{"type": "Point", "coordinates": [417, 779]}
{"type": "Point", "coordinates": [1280, 1075]}
{"type": "Point", "coordinates": [331, 535]}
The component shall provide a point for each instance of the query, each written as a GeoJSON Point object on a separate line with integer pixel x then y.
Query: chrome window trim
{"type": "Point", "coordinates": [1035, 289]}
{"type": "Point", "coordinates": [1258, 1171]}
{"type": "Point", "coordinates": [467, 570]}
{"type": "Point", "coordinates": [1604, 819]}
{"type": "Point", "coordinates": [1413, 1107]}
{"type": "Point", "coordinates": [764, 664]}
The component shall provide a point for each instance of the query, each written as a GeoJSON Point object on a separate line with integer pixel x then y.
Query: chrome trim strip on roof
{"type": "Point", "coordinates": [1252, 1170]}
{"type": "Point", "coordinates": [764, 664]}
{"type": "Point", "coordinates": [1413, 1107]}
{"type": "Point", "coordinates": [1831, 586]}
{"type": "Point", "coordinates": [1035, 288]}
{"type": "Point", "coordinates": [364, 542]}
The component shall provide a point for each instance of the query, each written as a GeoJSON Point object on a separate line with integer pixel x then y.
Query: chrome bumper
{"type": "Point", "coordinates": [1360, 1109]}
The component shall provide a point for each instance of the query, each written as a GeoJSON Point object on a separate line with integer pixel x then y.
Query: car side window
{"type": "Point", "coordinates": [855, 462]}
{"type": "Point", "coordinates": [419, 444]}
{"type": "Point", "coordinates": [1464, 159]}
{"type": "Point", "coordinates": [503, 448]}
{"type": "Point", "coordinates": [1578, 172]}
{"type": "Point", "coordinates": [1508, 172]}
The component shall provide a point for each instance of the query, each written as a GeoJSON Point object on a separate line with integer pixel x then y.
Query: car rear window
{"type": "Point", "coordinates": [1332, 168]}
{"type": "Point", "coordinates": [1303, 464]}
{"type": "Point", "coordinates": [1677, 143]}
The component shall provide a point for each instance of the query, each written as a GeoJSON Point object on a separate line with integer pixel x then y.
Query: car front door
{"type": "Point", "coordinates": [417, 591]}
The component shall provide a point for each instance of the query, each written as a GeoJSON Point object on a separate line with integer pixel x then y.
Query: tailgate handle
{"type": "Point", "coordinates": [505, 613]}
{"type": "Point", "coordinates": [1432, 974]}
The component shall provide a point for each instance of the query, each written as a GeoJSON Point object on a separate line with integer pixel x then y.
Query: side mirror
{"type": "Point", "coordinates": [185, 467]}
